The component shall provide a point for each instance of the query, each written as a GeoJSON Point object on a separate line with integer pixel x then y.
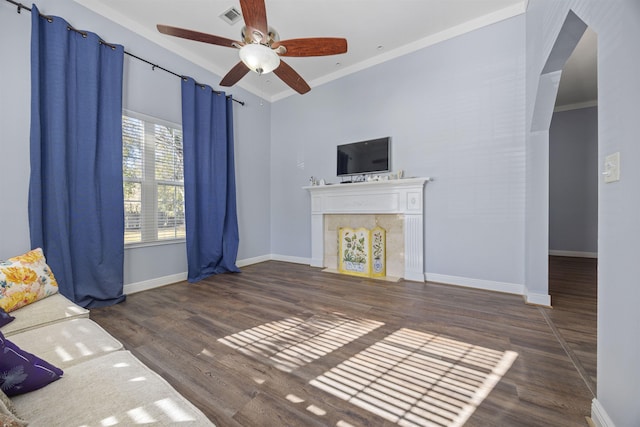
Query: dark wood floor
{"type": "Point", "coordinates": [289, 345]}
{"type": "Point", "coordinates": [574, 294]}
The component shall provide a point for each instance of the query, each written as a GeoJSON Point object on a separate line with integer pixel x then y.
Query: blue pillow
{"type": "Point", "coordinates": [22, 372]}
{"type": "Point", "coordinates": [5, 317]}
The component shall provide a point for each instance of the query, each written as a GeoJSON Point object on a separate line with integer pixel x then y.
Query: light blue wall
{"type": "Point", "coordinates": [155, 93]}
{"type": "Point", "coordinates": [616, 24]}
{"type": "Point", "coordinates": [14, 137]}
{"type": "Point", "coordinates": [455, 112]}
{"type": "Point", "coordinates": [458, 111]}
{"type": "Point", "coordinates": [573, 181]}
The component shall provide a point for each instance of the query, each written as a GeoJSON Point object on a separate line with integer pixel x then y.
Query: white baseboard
{"type": "Point", "coordinates": [537, 299]}
{"type": "Point", "coordinates": [254, 260]}
{"type": "Point", "coordinates": [272, 257]}
{"type": "Point", "coordinates": [576, 254]}
{"type": "Point", "coordinates": [132, 288]}
{"type": "Point", "coordinates": [293, 259]}
{"type": "Point", "coordinates": [157, 282]}
{"type": "Point", "coordinates": [599, 416]}
{"type": "Point", "coordinates": [489, 285]}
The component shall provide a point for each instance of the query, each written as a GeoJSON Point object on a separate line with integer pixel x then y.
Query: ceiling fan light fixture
{"type": "Point", "coordinates": [259, 58]}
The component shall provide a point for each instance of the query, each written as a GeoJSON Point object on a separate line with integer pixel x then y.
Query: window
{"type": "Point", "coordinates": [153, 179]}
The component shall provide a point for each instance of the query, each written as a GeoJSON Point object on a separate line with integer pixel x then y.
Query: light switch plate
{"type": "Point", "coordinates": [612, 167]}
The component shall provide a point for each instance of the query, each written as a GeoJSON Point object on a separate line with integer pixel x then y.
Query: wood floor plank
{"type": "Point", "coordinates": [252, 349]}
{"type": "Point", "coordinates": [573, 287]}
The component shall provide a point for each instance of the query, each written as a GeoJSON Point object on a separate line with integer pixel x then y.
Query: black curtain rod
{"type": "Point", "coordinates": [21, 6]}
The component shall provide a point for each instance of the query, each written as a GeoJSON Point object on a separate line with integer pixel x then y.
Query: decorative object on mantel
{"type": "Point", "coordinates": [362, 252]}
{"type": "Point", "coordinates": [372, 177]}
{"type": "Point", "coordinates": [313, 181]}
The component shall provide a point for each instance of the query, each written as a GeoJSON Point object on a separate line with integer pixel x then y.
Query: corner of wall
{"type": "Point", "coordinates": [537, 299]}
{"type": "Point", "coordinates": [273, 257]}
{"type": "Point", "coordinates": [254, 260]}
{"type": "Point", "coordinates": [292, 259]}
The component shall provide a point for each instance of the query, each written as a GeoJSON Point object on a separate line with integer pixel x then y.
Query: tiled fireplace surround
{"type": "Point", "coordinates": [395, 205]}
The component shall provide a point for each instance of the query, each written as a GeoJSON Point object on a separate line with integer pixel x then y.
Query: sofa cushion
{"type": "Point", "coordinates": [25, 279]}
{"type": "Point", "coordinates": [11, 421]}
{"type": "Point", "coordinates": [114, 389]}
{"type": "Point", "coordinates": [21, 371]}
{"type": "Point", "coordinates": [54, 309]}
{"type": "Point", "coordinates": [67, 343]}
{"type": "Point", "coordinates": [5, 317]}
{"type": "Point", "coordinates": [8, 417]}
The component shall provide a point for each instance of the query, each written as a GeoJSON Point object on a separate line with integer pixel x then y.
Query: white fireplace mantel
{"type": "Point", "coordinates": [398, 196]}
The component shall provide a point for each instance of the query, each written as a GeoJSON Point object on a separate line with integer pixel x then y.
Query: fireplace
{"type": "Point", "coordinates": [395, 205]}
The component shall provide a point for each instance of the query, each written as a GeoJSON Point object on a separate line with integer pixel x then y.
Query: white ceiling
{"type": "Point", "coordinates": [376, 30]}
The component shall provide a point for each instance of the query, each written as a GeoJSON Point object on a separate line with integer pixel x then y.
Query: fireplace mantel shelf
{"type": "Point", "coordinates": [398, 196]}
{"type": "Point", "coordinates": [371, 184]}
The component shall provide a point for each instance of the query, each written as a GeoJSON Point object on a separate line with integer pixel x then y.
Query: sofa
{"type": "Point", "coordinates": [103, 384]}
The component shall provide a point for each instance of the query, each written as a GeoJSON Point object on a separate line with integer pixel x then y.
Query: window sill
{"type": "Point", "coordinates": [156, 243]}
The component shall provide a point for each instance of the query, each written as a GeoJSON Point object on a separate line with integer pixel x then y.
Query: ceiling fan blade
{"type": "Point", "coordinates": [254, 13]}
{"type": "Point", "coordinates": [320, 46]}
{"type": "Point", "coordinates": [291, 78]}
{"type": "Point", "coordinates": [235, 74]}
{"type": "Point", "coordinates": [197, 36]}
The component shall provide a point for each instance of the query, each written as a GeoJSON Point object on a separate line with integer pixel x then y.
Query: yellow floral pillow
{"type": "Point", "coordinates": [25, 279]}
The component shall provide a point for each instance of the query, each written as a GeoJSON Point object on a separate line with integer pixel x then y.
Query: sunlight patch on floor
{"type": "Point", "coordinates": [414, 378]}
{"type": "Point", "coordinates": [292, 343]}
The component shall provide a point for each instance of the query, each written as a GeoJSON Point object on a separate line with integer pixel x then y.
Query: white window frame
{"type": "Point", "coordinates": [149, 184]}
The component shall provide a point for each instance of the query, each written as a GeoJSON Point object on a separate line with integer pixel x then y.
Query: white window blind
{"type": "Point", "coordinates": [153, 179]}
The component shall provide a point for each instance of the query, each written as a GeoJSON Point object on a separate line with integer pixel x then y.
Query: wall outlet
{"type": "Point", "coordinates": [611, 171]}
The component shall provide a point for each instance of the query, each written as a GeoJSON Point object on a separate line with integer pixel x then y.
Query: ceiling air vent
{"type": "Point", "coordinates": [231, 15]}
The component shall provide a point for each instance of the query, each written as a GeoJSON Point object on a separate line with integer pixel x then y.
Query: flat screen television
{"type": "Point", "coordinates": [371, 156]}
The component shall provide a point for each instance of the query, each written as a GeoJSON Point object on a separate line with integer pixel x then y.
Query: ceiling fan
{"type": "Point", "coordinates": [261, 47]}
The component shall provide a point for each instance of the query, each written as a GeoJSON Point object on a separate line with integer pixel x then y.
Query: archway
{"type": "Point", "coordinates": [537, 214]}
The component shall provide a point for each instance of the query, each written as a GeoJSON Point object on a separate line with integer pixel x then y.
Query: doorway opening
{"type": "Point", "coordinates": [564, 190]}
{"type": "Point", "coordinates": [573, 207]}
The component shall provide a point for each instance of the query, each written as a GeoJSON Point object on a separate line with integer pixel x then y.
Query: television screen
{"type": "Point", "coordinates": [364, 157]}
